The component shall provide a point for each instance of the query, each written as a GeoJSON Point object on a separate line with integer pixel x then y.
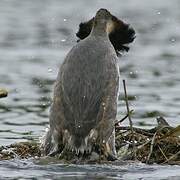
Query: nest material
{"type": "Point", "coordinates": [20, 150]}
{"type": "Point", "coordinates": [3, 93]}
{"type": "Point", "coordinates": [157, 145]}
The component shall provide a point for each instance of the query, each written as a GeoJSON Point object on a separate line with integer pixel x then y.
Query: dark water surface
{"type": "Point", "coordinates": [34, 39]}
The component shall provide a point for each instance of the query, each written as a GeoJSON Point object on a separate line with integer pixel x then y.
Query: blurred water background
{"type": "Point", "coordinates": [36, 35]}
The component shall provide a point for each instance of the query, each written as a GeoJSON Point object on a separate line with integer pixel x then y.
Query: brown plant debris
{"type": "Point", "coordinates": [157, 145]}
{"type": "Point", "coordinates": [3, 93]}
{"type": "Point", "coordinates": [20, 150]}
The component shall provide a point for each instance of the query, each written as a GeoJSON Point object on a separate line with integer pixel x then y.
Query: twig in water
{"type": "Point", "coordinates": [130, 121]}
{"type": "Point", "coordinates": [163, 153]}
{"type": "Point", "coordinates": [151, 148]}
{"type": "Point", "coordinates": [145, 132]}
{"type": "Point", "coordinates": [121, 120]}
{"type": "Point", "coordinates": [172, 157]}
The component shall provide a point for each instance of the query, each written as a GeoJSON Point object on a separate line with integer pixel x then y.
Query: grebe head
{"type": "Point", "coordinates": [120, 34]}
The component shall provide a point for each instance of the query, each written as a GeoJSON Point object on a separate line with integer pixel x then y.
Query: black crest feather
{"type": "Point", "coordinates": [121, 35]}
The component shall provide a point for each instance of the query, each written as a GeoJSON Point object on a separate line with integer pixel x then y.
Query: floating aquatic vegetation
{"type": "Point", "coordinates": [20, 150]}
{"type": "Point", "coordinates": [3, 93]}
{"type": "Point", "coordinates": [160, 144]}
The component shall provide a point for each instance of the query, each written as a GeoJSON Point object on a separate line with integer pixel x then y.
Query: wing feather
{"type": "Point", "coordinates": [83, 82]}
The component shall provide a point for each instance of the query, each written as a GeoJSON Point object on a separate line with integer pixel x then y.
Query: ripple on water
{"type": "Point", "coordinates": [120, 170]}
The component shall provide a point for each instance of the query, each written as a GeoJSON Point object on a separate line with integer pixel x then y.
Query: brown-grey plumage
{"type": "Point", "coordinates": [85, 96]}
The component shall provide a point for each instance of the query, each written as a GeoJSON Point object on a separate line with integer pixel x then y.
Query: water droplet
{"type": "Point", "coordinates": [31, 57]}
{"type": "Point", "coordinates": [79, 126]}
{"type": "Point", "coordinates": [133, 74]}
{"type": "Point", "coordinates": [64, 20]}
{"type": "Point", "coordinates": [47, 129]}
{"type": "Point", "coordinates": [63, 40]}
{"type": "Point", "coordinates": [159, 13]}
{"type": "Point", "coordinates": [104, 141]}
{"type": "Point", "coordinates": [173, 40]}
{"type": "Point", "coordinates": [49, 70]}
{"type": "Point", "coordinates": [44, 104]}
{"type": "Point", "coordinates": [16, 90]}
